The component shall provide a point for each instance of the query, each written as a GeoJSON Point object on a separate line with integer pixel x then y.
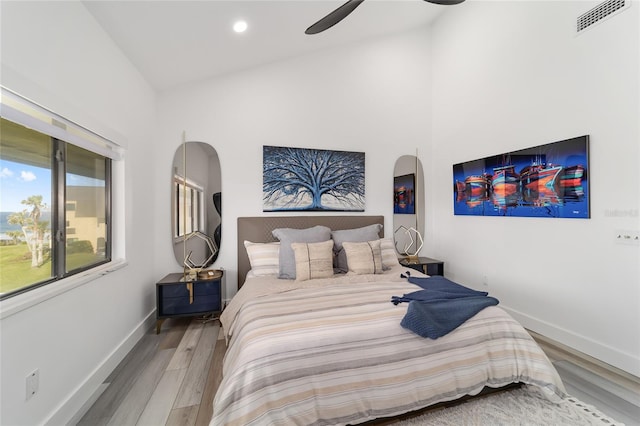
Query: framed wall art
{"type": "Point", "coordinates": [301, 179]}
{"type": "Point", "coordinates": [549, 180]}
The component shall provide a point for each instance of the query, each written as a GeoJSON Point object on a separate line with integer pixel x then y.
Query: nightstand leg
{"type": "Point", "coordinates": [159, 325]}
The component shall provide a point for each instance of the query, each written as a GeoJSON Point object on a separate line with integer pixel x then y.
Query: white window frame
{"type": "Point", "coordinates": [200, 219]}
{"type": "Point", "coordinates": [22, 111]}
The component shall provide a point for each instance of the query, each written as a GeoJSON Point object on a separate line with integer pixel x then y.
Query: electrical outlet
{"type": "Point", "coordinates": [625, 236]}
{"type": "Point", "coordinates": [33, 383]}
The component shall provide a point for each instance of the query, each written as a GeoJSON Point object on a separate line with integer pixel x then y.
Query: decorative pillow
{"type": "Point", "coordinates": [357, 235]}
{"type": "Point", "coordinates": [389, 255]}
{"type": "Point", "coordinates": [364, 258]}
{"type": "Point", "coordinates": [313, 260]}
{"type": "Point", "coordinates": [287, 236]}
{"type": "Point", "coordinates": [263, 257]}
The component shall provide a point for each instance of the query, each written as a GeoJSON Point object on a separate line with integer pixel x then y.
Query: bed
{"type": "Point", "coordinates": [331, 350]}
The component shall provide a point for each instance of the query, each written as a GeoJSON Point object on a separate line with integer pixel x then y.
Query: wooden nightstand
{"type": "Point", "coordinates": [426, 265]}
{"type": "Point", "coordinates": [178, 298]}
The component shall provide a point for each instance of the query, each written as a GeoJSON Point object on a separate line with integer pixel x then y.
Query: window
{"type": "Point", "coordinates": [55, 204]}
{"type": "Point", "coordinates": [86, 188]}
{"type": "Point", "coordinates": [189, 207]}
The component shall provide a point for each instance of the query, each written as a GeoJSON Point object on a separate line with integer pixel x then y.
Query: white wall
{"type": "Point", "coordinates": [371, 97]}
{"type": "Point", "coordinates": [502, 76]}
{"type": "Point", "coordinates": [56, 54]}
{"type": "Point", "coordinates": [511, 75]}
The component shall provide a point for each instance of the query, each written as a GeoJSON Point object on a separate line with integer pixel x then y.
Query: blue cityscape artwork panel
{"type": "Point", "coordinates": [544, 181]}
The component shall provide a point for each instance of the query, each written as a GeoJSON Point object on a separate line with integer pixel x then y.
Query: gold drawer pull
{"type": "Point", "coordinates": [190, 288]}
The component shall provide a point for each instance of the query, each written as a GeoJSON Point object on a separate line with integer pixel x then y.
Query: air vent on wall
{"type": "Point", "coordinates": [600, 12]}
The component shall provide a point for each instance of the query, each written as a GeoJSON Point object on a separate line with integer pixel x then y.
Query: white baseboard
{"type": "Point", "coordinates": [70, 411]}
{"type": "Point", "coordinates": [607, 354]}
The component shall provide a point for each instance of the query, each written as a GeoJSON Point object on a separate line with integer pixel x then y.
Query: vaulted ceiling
{"type": "Point", "coordinates": [179, 41]}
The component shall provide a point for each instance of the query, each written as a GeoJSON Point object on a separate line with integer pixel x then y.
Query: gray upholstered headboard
{"type": "Point", "coordinates": [258, 229]}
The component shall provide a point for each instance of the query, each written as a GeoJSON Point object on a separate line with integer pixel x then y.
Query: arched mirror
{"type": "Point", "coordinates": [408, 205]}
{"type": "Point", "coordinates": [196, 205]}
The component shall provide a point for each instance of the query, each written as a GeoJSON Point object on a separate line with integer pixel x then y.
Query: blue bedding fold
{"type": "Point", "coordinates": [441, 307]}
{"type": "Point", "coordinates": [440, 283]}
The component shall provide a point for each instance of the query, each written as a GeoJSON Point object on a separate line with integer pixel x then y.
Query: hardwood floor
{"type": "Point", "coordinates": [614, 392]}
{"type": "Point", "coordinates": [171, 379]}
{"type": "Point", "coordinates": [167, 379]}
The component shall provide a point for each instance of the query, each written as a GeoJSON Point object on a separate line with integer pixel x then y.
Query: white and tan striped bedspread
{"type": "Point", "coordinates": [334, 353]}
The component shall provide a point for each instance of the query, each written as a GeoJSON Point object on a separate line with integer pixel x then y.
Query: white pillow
{"type": "Point", "coordinates": [313, 260]}
{"type": "Point", "coordinates": [263, 257]}
{"type": "Point", "coordinates": [364, 258]}
{"type": "Point", "coordinates": [389, 255]}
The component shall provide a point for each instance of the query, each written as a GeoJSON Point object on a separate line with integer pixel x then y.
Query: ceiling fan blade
{"type": "Point", "coordinates": [445, 2]}
{"type": "Point", "coordinates": [334, 17]}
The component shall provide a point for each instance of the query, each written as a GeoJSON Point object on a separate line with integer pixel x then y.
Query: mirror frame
{"type": "Point", "coordinates": [202, 177]}
{"type": "Point", "coordinates": [404, 223]}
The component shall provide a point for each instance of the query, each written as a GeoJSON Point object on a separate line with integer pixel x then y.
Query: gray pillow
{"type": "Point", "coordinates": [357, 235]}
{"type": "Point", "coordinates": [286, 236]}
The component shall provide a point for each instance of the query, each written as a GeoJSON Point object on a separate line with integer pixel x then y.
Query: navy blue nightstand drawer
{"type": "Point", "coordinates": [181, 306]}
{"type": "Point", "coordinates": [200, 288]}
{"type": "Point", "coordinates": [175, 299]}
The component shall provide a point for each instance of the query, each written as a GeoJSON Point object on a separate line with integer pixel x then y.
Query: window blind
{"type": "Point", "coordinates": [20, 110]}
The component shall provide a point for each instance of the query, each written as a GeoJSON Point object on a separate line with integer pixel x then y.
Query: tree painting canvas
{"type": "Point", "coordinates": [303, 179]}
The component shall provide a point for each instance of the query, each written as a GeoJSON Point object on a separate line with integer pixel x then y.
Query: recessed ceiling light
{"type": "Point", "coordinates": [240, 26]}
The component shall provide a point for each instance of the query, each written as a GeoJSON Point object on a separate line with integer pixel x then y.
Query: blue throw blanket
{"type": "Point", "coordinates": [441, 307]}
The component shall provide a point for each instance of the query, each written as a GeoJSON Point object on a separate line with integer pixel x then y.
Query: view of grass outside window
{"type": "Point", "coordinates": [41, 240]}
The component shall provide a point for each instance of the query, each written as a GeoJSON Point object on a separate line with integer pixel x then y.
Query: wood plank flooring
{"type": "Point", "coordinates": [167, 379]}
{"type": "Point", "coordinates": [171, 379]}
{"type": "Point", "coordinates": [614, 392]}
